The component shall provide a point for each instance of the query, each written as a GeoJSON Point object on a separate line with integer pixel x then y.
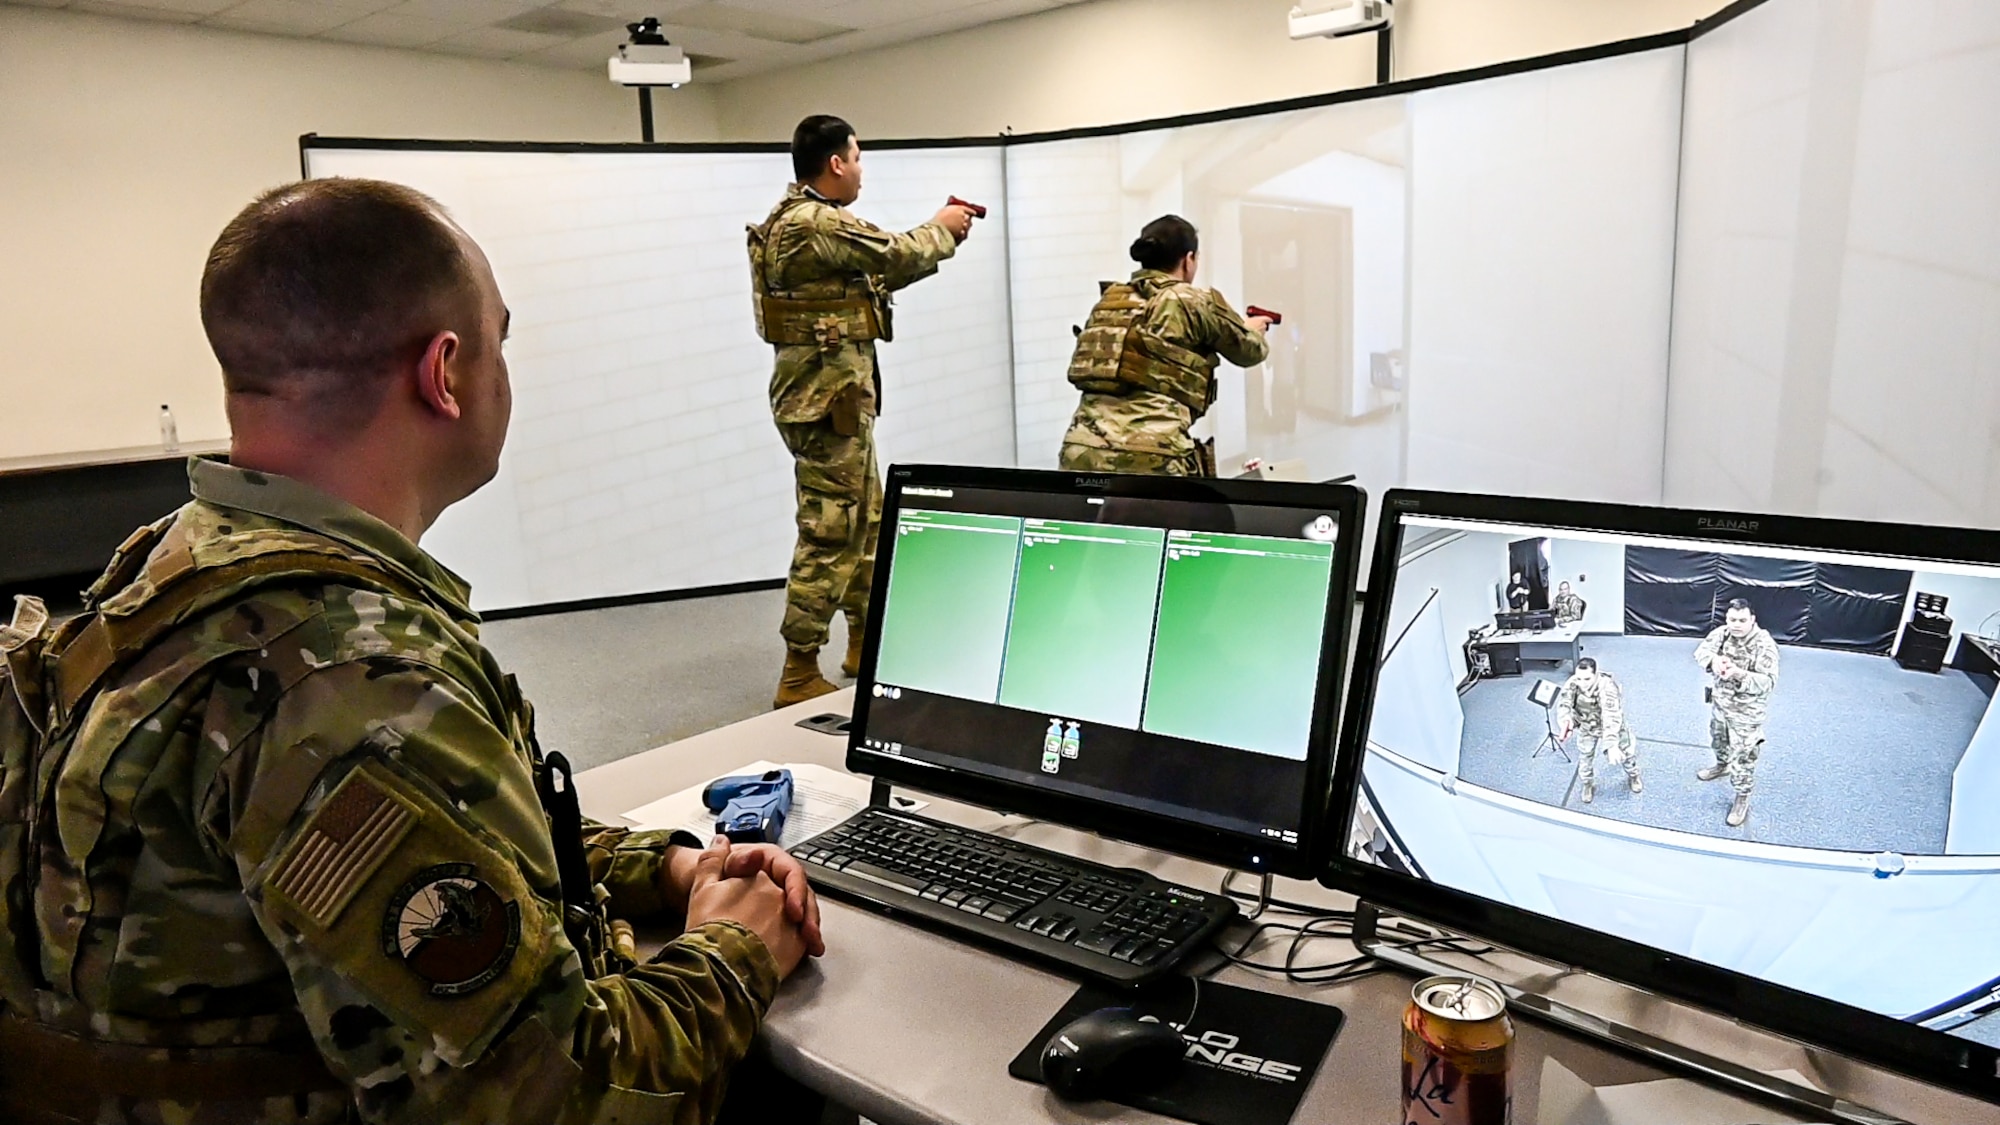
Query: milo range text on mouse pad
{"type": "Point", "coordinates": [1250, 1055]}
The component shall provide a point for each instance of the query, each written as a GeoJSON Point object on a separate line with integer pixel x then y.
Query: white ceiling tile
{"type": "Point", "coordinates": [386, 29]}
{"type": "Point", "coordinates": [129, 11]}
{"type": "Point", "coordinates": [792, 26]}
{"type": "Point", "coordinates": [465, 13]}
{"type": "Point", "coordinates": [756, 36]}
{"type": "Point", "coordinates": [291, 17]}
{"type": "Point", "coordinates": [196, 7]}
{"type": "Point", "coordinates": [496, 42]}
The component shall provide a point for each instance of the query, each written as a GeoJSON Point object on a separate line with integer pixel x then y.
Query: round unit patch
{"type": "Point", "coordinates": [451, 929]}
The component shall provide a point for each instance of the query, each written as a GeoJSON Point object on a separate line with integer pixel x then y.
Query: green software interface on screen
{"type": "Point", "coordinates": [944, 628]}
{"type": "Point", "coordinates": [1083, 620]}
{"type": "Point", "coordinates": [1188, 634]}
{"type": "Point", "coordinates": [1236, 650]}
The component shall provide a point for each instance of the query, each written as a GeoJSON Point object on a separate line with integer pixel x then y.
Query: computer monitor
{"type": "Point", "coordinates": [1858, 905]}
{"type": "Point", "coordinates": [1154, 658]}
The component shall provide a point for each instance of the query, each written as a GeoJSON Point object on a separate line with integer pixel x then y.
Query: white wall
{"type": "Point", "coordinates": [1835, 340]}
{"type": "Point", "coordinates": [1463, 569]}
{"type": "Point", "coordinates": [1970, 601]}
{"type": "Point", "coordinates": [1128, 60]}
{"type": "Point", "coordinates": [1596, 573]}
{"type": "Point", "coordinates": [128, 144]}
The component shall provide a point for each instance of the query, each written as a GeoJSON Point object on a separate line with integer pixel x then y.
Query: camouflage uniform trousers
{"type": "Point", "coordinates": [839, 517]}
{"type": "Point", "coordinates": [1737, 742]}
{"type": "Point", "coordinates": [1091, 459]}
{"type": "Point", "coordinates": [1588, 743]}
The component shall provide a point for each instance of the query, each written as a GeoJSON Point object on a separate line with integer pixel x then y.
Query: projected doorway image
{"type": "Point", "coordinates": [1299, 212]}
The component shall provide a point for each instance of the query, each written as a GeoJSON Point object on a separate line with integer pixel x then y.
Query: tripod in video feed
{"type": "Point", "coordinates": [1544, 694]}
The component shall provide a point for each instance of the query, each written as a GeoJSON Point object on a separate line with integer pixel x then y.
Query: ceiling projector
{"type": "Point", "coordinates": [647, 59]}
{"type": "Point", "coordinates": [1332, 19]}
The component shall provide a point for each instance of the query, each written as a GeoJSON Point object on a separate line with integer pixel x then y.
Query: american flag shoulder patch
{"type": "Point", "coordinates": [346, 840]}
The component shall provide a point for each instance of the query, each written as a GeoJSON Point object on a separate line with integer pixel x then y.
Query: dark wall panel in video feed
{"type": "Point", "coordinates": [1779, 592]}
{"type": "Point", "coordinates": [1675, 593]}
{"type": "Point", "coordinates": [1858, 607]}
{"type": "Point", "coordinates": [1668, 593]}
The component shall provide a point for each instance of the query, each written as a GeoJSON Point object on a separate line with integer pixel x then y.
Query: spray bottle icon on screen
{"type": "Point", "coordinates": [1052, 746]}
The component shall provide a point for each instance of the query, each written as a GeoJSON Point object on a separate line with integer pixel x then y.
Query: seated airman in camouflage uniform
{"type": "Point", "coordinates": [1145, 362]}
{"type": "Point", "coordinates": [277, 842]}
{"type": "Point", "coordinates": [821, 278]}
{"type": "Point", "coordinates": [1567, 606]}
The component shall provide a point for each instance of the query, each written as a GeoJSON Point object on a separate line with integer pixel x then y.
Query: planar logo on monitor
{"type": "Point", "coordinates": [1093, 482]}
{"type": "Point", "coordinates": [1726, 523]}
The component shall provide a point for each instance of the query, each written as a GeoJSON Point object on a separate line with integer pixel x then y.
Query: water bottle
{"type": "Point", "coordinates": [170, 434]}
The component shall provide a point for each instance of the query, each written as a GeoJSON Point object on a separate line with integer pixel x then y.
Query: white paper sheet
{"type": "Point", "coordinates": [821, 798]}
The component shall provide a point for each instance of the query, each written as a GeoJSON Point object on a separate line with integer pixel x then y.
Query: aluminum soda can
{"type": "Point", "coordinates": [1458, 1053]}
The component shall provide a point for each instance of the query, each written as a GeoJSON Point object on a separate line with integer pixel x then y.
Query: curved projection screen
{"type": "Point", "coordinates": [1481, 281]}
{"type": "Point", "coordinates": [1453, 264]}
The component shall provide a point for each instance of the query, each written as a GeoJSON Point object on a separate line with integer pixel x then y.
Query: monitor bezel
{"type": "Point", "coordinates": [1937, 1057]}
{"type": "Point", "coordinates": [1239, 851]}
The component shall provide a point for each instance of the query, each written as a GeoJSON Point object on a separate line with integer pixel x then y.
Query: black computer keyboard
{"type": "Point", "coordinates": [1112, 924]}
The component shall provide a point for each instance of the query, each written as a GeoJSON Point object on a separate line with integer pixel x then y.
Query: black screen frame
{"type": "Point", "coordinates": [1937, 1057]}
{"type": "Point", "coordinates": [1240, 851]}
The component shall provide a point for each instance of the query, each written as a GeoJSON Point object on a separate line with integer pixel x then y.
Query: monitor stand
{"type": "Point", "coordinates": [1522, 998]}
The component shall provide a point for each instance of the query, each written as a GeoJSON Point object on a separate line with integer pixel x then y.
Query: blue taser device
{"type": "Point", "coordinates": [750, 808]}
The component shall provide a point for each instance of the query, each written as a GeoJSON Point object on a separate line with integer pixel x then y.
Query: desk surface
{"type": "Point", "coordinates": [907, 1026]}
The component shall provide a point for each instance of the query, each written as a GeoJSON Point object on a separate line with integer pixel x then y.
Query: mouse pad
{"type": "Point", "coordinates": [1250, 1055]}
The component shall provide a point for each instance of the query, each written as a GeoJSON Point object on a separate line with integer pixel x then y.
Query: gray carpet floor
{"type": "Point", "coordinates": [611, 682]}
{"type": "Point", "coordinates": [1858, 757]}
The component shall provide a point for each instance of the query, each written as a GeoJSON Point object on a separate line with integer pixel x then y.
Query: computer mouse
{"type": "Point", "coordinates": [1110, 1052]}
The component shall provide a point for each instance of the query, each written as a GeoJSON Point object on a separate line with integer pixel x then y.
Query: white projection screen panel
{"type": "Point", "coordinates": [1475, 278]}
{"type": "Point", "coordinates": [1541, 278]}
{"type": "Point", "coordinates": [642, 456]}
{"type": "Point", "coordinates": [1836, 337]}
{"type": "Point", "coordinates": [1300, 211]}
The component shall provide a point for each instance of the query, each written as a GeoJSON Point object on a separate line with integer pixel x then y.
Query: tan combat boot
{"type": "Point", "coordinates": [801, 679]}
{"type": "Point", "coordinates": [1739, 811]}
{"type": "Point", "coordinates": [851, 667]}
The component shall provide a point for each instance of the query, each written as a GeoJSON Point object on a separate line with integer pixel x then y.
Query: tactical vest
{"type": "Point", "coordinates": [1116, 354]}
{"type": "Point", "coordinates": [826, 313]}
{"type": "Point", "coordinates": [50, 674]}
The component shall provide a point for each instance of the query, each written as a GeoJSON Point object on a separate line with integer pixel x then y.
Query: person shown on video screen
{"type": "Point", "coordinates": [821, 278]}
{"type": "Point", "coordinates": [1568, 607]}
{"type": "Point", "coordinates": [1743, 659]}
{"type": "Point", "coordinates": [1592, 705]}
{"type": "Point", "coordinates": [1145, 362]}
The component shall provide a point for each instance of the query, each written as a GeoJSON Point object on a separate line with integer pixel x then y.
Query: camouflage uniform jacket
{"type": "Point", "coordinates": [1568, 608]}
{"type": "Point", "coordinates": [1197, 319]}
{"type": "Point", "coordinates": [332, 828]}
{"type": "Point", "coordinates": [813, 248]}
{"type": "Point", "coordinates": [1597, 711]}
{"type": "Point", "coordinates": [1747, 698]}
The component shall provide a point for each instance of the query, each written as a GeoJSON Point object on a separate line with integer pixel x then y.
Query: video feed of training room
{"type": "Point", "coordinates": [1861, 752]}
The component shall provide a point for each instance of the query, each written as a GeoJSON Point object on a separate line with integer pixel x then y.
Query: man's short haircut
{"type": "Point", "coordinates": [1586, 662]}
{"type": "Point", "coordinates": [818, 139]}
{"type": "Point", "coordinates": [318, 288]}
{"type": "Point", "coordinates": [1738, 603]}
